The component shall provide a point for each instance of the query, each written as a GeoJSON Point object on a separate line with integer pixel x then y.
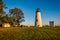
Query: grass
{"type": "Point", "coordinates": [30, 33]}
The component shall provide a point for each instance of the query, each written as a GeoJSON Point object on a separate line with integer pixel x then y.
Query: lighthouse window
{"type": "Point", "coordinates": [36, 20]}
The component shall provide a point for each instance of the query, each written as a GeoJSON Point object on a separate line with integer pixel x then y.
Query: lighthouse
{"type": "Point", "coordinates": [38, 20]}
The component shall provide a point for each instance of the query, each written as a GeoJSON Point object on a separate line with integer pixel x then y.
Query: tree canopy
{"type": "Point", "coordinates": [17, 14]}
{"type": "Point", "coordinates": [14, 17]}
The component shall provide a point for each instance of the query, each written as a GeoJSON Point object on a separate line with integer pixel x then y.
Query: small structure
{"type": "Point", "coordinates": [6, 25]}
{"type": "Point", "coordinates": [51, 23]}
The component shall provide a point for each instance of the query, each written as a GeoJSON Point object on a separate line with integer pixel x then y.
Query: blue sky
{"type": "Point", "coordinates": [50, 10]}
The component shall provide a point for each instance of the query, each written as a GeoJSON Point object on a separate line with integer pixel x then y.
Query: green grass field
{"type": "Point", "coordinates": [30, 33]}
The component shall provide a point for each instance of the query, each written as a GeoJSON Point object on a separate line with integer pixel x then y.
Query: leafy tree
{"type": "Point", "coordinates": [15, 18]}
{"type": "Point", "coordinates": [18, 16]}
{"type": "Point", "coordinates": [2, 6]}
{"type": "Point", "coordinates": [7, 19]}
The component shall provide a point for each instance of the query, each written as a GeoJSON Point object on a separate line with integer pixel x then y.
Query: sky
{"type": "Point", "coordinates": [50, 10]}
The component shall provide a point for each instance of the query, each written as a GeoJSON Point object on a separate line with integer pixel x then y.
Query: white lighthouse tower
{"type": "Point", "coordinates": [38, 20]}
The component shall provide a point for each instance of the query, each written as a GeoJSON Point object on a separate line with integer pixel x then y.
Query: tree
{"type": "Point", "coordinates": [1, 8]}
{"type": "Point", "coordinates": [7, 19]}
{"type": "Point", "coordinates": [18, 16]}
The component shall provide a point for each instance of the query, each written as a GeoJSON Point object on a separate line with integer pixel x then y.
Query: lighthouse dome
{"type": "Point", "coordinates": [38, 10]}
